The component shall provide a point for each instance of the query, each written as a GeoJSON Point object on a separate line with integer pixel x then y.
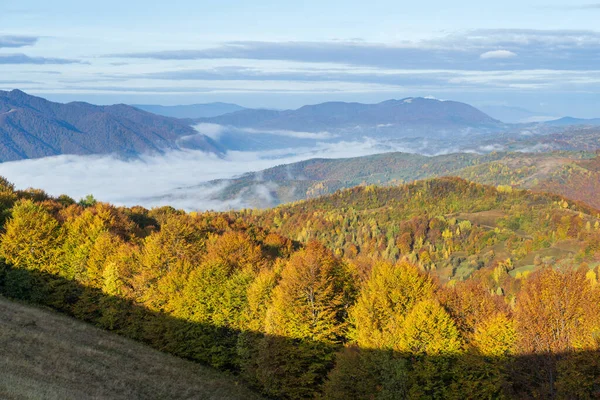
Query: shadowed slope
{"type": "Point", "coordinates": [50, 356]}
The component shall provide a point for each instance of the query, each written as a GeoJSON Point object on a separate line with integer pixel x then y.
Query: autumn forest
{"type": "Point", "coordinates": [428, 290]}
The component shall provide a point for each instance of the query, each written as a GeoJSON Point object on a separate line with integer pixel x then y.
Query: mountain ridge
{"type": "Point", "coordinates": [33, 127]}
{"type": "Point", "coordinates": [566, 121]}
{"type": "Point", "coordinates": [201, 110]}
{"type": "Point", "coordinates": [574, 175]}
{"type": "Point", "coordinates": [411, 111]}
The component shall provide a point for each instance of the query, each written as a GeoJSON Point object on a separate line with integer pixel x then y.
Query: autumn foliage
{"type": "Point", "coordinates": [317, 317]}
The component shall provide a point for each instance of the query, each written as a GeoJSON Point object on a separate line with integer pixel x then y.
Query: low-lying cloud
{"type": "Point", "coordinates": [215, 131]}
{"type": "Point", "coordinates": [155, 180]}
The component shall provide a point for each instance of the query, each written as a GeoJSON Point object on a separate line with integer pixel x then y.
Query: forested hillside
{"type": "Point", "coordinates": [571, 174]}
{"type": "Point", "coordinates": [417, 291]}
{"type": "Point", "coordinates": [33, 127]}
{"type": "Point", "coordinates": [450, 226]}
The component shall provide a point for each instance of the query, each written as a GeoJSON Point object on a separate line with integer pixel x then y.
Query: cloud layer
{"type": "Point", "coordinates": [498, 54]}
{"type": "Point", "coordinates": [174, 178]}
{"type": "Point", "coordinates": [15, 41]}
{"type": "Point", "coordinates": [20, 58]}
{"type": "Point", "coordinates": [471, 66]}
{"type": "Point", "coordinates": [548, 49]}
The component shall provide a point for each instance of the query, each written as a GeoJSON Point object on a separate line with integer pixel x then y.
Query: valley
{"type": "Point", "coordinates": [299, 200]}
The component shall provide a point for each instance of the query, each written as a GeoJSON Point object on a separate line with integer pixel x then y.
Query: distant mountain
{"type": "Point", "coordinates": [574, 121]}
{"type": "Point", "coordinates": [192, 110]}
{"type": "Point", "coordinates": [516, 115]}
{"type": "Point", "coordinates": [393, 114]}
{"type": "Point", "coordinates": [32, 127]}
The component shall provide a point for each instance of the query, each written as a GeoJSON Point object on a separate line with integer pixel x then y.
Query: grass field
{"type": "Point", "coordinates": [45, 355]}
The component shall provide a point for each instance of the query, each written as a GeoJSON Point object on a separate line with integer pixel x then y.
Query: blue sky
{"type": "Point", "coordinates": [541, 55]}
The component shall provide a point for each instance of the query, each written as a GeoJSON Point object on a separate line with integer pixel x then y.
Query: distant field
{"type": "Point", "coordinates": [49, 356]}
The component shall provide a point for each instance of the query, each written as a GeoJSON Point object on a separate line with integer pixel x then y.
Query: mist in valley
{"type": "Point", "coordinates": [171, 178]}
{"type": "Point", "coordinates": [195, 180]}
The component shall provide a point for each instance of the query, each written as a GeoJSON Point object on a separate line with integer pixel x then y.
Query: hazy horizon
{"type": "Point", "coordinates": [538, 55]}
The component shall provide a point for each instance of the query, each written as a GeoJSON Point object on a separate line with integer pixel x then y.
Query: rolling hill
{"type": "Point", "coordinates": [451, 226]}
{"type": "Point", "coordinates": [571, 174]}
{"type": "Point", "coordinates": [32, 127]}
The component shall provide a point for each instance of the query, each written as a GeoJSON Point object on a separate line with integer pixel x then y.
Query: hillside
{"type": "Point", "coordinates": [404, 114]}
{"type": "Point", "coordinates": [416, 291]}
{"type": "Point", "coordinates": [572, 174]}
{"type": "Point", "coordinates": [449, 226]}
{"type": "Point", "coordinates": [566, 121]}
{"type": "Point", "coordinates": [32, 127]}
{"type": "Point", "coordinates": [50, 356]}
{"type": "Point", "coordinates": [317, 177]}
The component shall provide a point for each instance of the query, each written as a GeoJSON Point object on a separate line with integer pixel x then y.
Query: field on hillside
{"type": "Point", "coordinates": [49, 356]}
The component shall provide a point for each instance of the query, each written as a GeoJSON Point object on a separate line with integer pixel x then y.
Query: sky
{"type": "Point", "coordinates": [540, 55]}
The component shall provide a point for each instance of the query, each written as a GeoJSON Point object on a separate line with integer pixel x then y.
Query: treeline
{"type": "Point", "coordinates": [295, 320]}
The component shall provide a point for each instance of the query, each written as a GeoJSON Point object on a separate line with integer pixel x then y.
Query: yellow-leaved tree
{"type": "Point", "coordinates": [304, 323]}
{"type": "Point", "coordinates": [431, 339]}
{"type": "Point", "coordinates": [483, 371]}
{"type": "Point", "coordinates": [389, 294]}
{"type": "Point", "coordinates": [558, 320]}
{"type": "Point", "coordinates": [31, 237]}
{"type": "Point", "coordinates": [372, 363]}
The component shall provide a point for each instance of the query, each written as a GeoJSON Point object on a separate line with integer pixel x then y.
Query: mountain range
{"type": "Point", "coordinates": [32, 127]}
{"type": "Point", "coordinates": [191, 110]}
{"type": "Point", "coordinates": [566, 121]}
{"type": "Point", "coordinates": [409, 112]}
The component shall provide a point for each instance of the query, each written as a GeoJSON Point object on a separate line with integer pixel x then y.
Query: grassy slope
{"type": "Point", "coordinates": [49, 356]}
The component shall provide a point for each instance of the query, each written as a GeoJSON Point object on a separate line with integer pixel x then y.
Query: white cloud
{"type": "Point", "coordinates": [213, 131]}
{"type": "Point", "coordinates": [175, 178]}
{"type": "Point", "coordinates": [497, 54]}
{"type": "Point", "coordinates": [295, 134]}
